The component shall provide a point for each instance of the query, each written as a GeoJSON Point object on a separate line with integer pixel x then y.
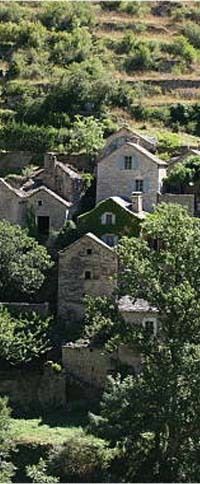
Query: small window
{"type": "Point", "coordinates": [40, 203]}
{"type": "Point", "coordinates": [88, 275]}
{"type": "Point", "coordinates": [89, 251]}
{"type": "Point", "coordinates": [108, 218]}
{"type": "Point", "coordinates": [150, 327]}
{"type": "Point", "coordinates": [128, 162]}
{"type": "Point", "coordinates": [139, 185]}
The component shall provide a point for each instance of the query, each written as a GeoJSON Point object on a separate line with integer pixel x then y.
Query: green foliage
{"type": "Point", "coordinates": [182, 49]}
{"type": "Point", "coordinates": [183, 174]}
{"type": "Point", "coordinates": [153, 416]}
{"type": "Point", "coordinates": [83, 459]}
{"type": "Point", "coordinates": [142, 55]}
{"type": "Point", "coordinates": [23, 339]}
{"type": "Point", "coordinates": [192, 32]}
{"type": "Point", "coordinates": [86, 135]}
{"type": "Point", "coordinates": [67, 235]}
{"type": "Point", "coordinates": [23, 262]}
{"type": "Point", "coordinates": [6, 467]}
{"type": "Point", "coordinates": [101, 319]}
{"type": "Point", "coordinates": [125, 223]}
{"type": "Point", "coordinates": [168, 142]}
{"type": "Point", "coordinates": [71, 47]}
{"type": "Point", "coordinates": [15, 136]}
{"type": "Point", "coordinates": [66, 15]}
{"type": "Point", "coordinates": [38, 473]}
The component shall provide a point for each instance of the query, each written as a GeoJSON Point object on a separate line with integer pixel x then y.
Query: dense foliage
{"type": "Point", "coordinates": [153, 417]}
{"type": "Point", "coordinates": [23, 263]}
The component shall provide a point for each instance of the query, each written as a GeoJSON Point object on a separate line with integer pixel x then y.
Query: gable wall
{"type": "Point", "coordinates": [71, 283]}
{"type": "Point", "coordinates": [11, 205]}
{"type": "Point", "coordinates": [112, 179]}
{"type": "Point", "coordinates": [51, 207]}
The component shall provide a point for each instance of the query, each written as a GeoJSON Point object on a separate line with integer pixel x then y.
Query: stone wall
{"type": "Point", "coordinates": [13, 161]}
{"type": "Point", "coordinates": [113, 179]}
{"type": "Point", "coordinates": [45, 204]}
{"type": "Point", "coordinates": [28, 389]}
{"type": "Point", "coordinates": [86, 254]}
{"type": "Point", "coordinates": [186, 200]}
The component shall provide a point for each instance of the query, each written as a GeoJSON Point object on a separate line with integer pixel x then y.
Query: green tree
{"type": "Point", "coordinates": [153, 417]}
{"type": "Point", "coordinates": [87, 134]}
{"type": "Point", "coordinates": [6, 467]}
{"type": "Point", "coordinates": [38, 473]}
{"type": "Point", "coordinates": [23, 262]}
{"type": "Point", "coordinates": [183, 175]}
{"type": "Point", "coordinates": [23, 338]}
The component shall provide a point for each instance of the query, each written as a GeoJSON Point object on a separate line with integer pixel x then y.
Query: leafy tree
{"type": "Point", "coordinates": [153, 417]}
{"type": "Point", "coordinates": [6, 467]}
{"type": "Point", "coordinates": [67, 235]}
{"type": "Point", "coordinates": [23, 338]}
{"type": "Point", "coordinates": [38, 473]}
{"type": "Point", "coordinates": [87, 135]}
{"type": "Point", "coordinates": [183, 175]}
{"type": "Point", "coordinates": [23, 262]}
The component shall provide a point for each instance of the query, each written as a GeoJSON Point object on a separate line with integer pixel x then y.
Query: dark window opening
{"type": "Point", "coordinates": [39, 203]}
{"type": "Point", "coordinates": [88, 275]}
{"type": "Point", "coordinates": [128, 162]}
{"type": "Point", "coordinates": [139, 185]}
{"type": "Point", "coordinates": [89, 251]}
{"type": "Point", "coordinates": [43, 225]}
{"type": "Point", "coordinates": [149, 326]}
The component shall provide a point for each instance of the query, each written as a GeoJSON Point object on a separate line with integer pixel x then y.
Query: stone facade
{"type": "Point", "coordinates": [187, 200]}
{"type": "Point", "coordinates": [60, 178]}
{"type": "Point", "coordinates": [42, 203]}
{"type": "Point", "coordinates": [88, 266]}
{"type": "Point", "coordinates": [145, 173]}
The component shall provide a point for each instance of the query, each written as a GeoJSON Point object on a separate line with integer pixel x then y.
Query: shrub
{"type": "Point", "coordinates": [15, 136]}
{"type": "Point", "coordinates": [66, 16]}
{"type": "Point", "coordinates": [192, 32]}
{"type": "Point", "coordinates": [168, 142]}
{"type": "Point", "coordinates": [71, 47]}
{"type": "Point", "coordinates": [182, 49]}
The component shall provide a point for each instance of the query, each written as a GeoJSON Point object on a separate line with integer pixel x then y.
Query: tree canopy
{"type": "Point", "coordinates": [153, 417]}
{"type": "Point", "coordinates": [23, 263]}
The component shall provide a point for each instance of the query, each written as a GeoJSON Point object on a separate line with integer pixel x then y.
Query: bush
{"type": "Point", "coordinates": [71, 47]}
{"type": "Point", "coordinates": [66, 16]}
{"type": "Point", "coordinates": [168, 142]}
{"type": "Point", "coordinates": [182, 49]}
{"type": "Point", "coordinates": [83, 459]}
{"type": "Point", "coordinates": [15, 136]}
{"type": "Point", "coordinates": [192, 32]}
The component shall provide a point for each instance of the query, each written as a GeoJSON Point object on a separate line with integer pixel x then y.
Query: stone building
{"type": "Point", "coordinates": [90, 365]}
{"type": "Point", "coordinates": [88, 266]}
{"type": "Point", "coordinates": [114, 217]}
{"type": "Point", "coordinates": [130, 168]}
{"type": "Point", "coordinates": [125, 134]}
{"type": "Point", "coordinates": [60, 178]}
{"type": "Point", "coordinates": [48, 211]}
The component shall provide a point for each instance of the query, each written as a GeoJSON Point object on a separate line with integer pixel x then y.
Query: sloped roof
{"type": "Point", "coordinates": [50, 192]}
{"type": "Point", "coordinates": [70, 171]}
{"type": "Point", "coordinates": [89, 236]}
{"type": "Point", "coordinates": [129, 305]}
{"type": "Point", "coordinates": [125, 204]}
{"type": "Point", "coordinates": [138, 148]}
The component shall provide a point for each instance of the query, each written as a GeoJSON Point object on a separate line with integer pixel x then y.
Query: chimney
{"type": "Point", "coordinates": [49, 162]}
{"type": "Point", "coordinates": [137, 202]}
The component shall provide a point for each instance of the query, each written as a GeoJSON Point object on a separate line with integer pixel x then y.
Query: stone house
{"type": "Point", "coordinates": [112, 218]}
{"type": "Point", "coordinates": [47, 210]}
{"type": "Point", "coordinates": [90, 365]}
{"type": "Point", "coordinates": [130, 168]}
{"type": "Point", "coordinates": [88, 266]}
{"type": "Point", "coordinates": [125, 134]}
{"type": "Point", "coordinates": [60, 178]}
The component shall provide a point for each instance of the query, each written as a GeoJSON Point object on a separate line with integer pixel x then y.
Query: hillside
{"type": "Point", "coordinates": [118, 61]}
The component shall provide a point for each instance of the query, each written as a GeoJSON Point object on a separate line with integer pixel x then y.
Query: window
{"type": "Point", "coordinates": [128, 162]}
{"type": "Point", "coordinates": [150, 326]}
{"type": "Point", "coordinates": [89, 251]}
{"type": "Point", "coordinates": [139, 185]}
{"type": "Point", "coordinates": [108, 218]}
{"type": "Point", "coordinates": [40, 202]}
{"type": "Point", "coordinates": [88, 275]}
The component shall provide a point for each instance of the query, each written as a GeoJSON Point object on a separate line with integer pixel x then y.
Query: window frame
{"type": "Point", "coordinates": [139, 185]}
{"type": "Point", "coordinates": [128, 162]}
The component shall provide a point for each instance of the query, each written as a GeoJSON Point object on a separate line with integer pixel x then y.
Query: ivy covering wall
{"type": "Point", "coordinates": [125, 223]}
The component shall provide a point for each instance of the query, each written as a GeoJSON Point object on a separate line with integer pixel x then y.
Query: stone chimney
{"type": "Point", "coordinates": [50, 162]}
{"type": "Point", "coordinates": [137, 202]}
